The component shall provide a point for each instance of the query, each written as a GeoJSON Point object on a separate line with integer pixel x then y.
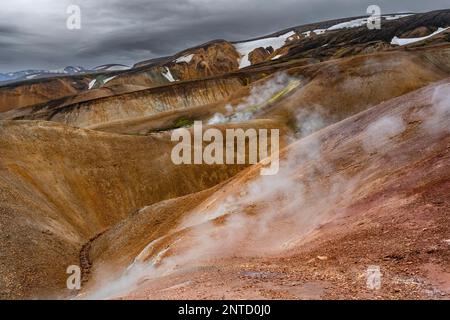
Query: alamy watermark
{"type": "Point", "coordinates": [74, 279]}
{"type": "Point", "coordinates": [73, 22]}
{"type": "Point", "coordinates": [373, 278]}
{"type": "Point", "coordinates": [238, 146]}
{"type": "Point", "coordinates": [374, 20]}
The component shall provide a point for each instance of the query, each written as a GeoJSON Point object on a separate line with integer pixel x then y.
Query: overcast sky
{"type": "Point", "coordinates": [33, 33]}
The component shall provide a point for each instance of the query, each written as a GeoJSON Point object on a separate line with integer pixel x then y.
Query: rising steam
{"type": "Point", "coordinates": [263, 215]}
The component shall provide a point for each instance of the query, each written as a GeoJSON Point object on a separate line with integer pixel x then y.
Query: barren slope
{"type": "Point", "coordinates": [370, 190]}
{"type": "Point", "coordinates": [61, 186]}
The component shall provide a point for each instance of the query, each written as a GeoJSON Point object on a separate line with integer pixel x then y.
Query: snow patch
{"type": "Point", "coordinates": [397, 16]}
{"type": "Point", "coordinates": [108, 79]}
{"type": "Point", "coordinates": [245, 48]}
{"type": "Point", "coordinates": [114, 67]}
{"type": "Point", "coordinates": [403, 42]}
{"type": "Point", "coordinates": [319, 31]}
{"type": "Point", "coordinates": [118, 68]}
{"type": "Point", "coordinates": [349, 24]}
{"type": "Point", "coordinates": [102, 82]}
{"type": "Point", "coordinates": [186, 58]}
{"type": "Point", "coordinates": [363, 21]}
{"type": "Point", "coordinates": [168, 75]}
{"type": "Point", "coordinates": [92, 84]}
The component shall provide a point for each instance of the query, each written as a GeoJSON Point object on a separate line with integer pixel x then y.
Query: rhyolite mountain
{"type": "Point", "coordinates": [86, 176]}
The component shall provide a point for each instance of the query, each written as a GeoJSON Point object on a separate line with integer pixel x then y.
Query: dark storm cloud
{"type": "Point", "coordinates": [33, 33]}
{"type": "Point", "coordinates": [8, 30]}
{"type": "Point", "coordinates": [10, 34]}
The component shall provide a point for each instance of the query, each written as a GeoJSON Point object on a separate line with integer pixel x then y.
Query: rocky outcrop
{"type": "Point", "coordinates": [216, 58]}
{"type": "Point", "coordinates": [260, 55]}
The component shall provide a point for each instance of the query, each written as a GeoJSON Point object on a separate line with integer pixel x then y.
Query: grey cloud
{"type": "Point", "coordinates": [116, 31]}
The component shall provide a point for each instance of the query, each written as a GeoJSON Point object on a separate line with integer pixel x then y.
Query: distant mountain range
{"type": "Point", "coordinates": [70, 70]}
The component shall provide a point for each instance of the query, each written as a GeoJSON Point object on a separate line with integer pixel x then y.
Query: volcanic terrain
{"type": "Point", "coordinates": [87, 179]}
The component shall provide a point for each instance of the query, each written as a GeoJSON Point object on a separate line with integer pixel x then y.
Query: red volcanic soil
{"type": "Point", "coordinates": [341, 203]}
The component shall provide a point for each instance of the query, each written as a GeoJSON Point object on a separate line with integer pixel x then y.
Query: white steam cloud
{"type": "Point", "coordinates": [437, 120]}
{"type": "Point", "coordinates": [379, 133]}
{"type": "Point", "coordinates": [259, 96]}
{"type": "Point", "coordinates": [270, 214]}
